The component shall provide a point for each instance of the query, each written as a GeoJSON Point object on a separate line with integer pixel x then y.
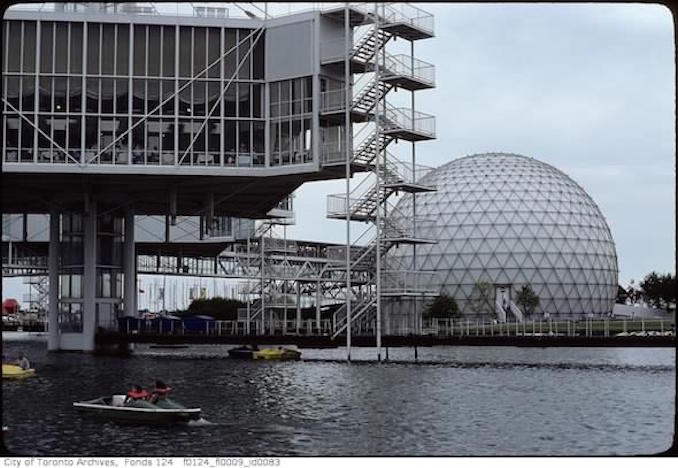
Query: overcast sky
{"type": "Point", "coordinates": [586, 88]}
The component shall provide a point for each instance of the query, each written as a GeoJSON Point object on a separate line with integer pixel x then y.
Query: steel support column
{"type": "Point", "coordinates": [90, 276]}
{"type": "Point", "coordinates": [130, 267]}
{"type": "Point", "coordinates": [53, 342]}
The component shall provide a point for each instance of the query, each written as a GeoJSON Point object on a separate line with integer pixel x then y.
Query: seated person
{"type": "Point", "coordinates": [136, 394]}
{"type": "Point", "coordinates": [160, 391]}
{"type": "Point", "coordinates": [23, 362]}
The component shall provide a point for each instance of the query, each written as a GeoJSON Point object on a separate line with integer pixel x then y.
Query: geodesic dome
{"type": "Point", "coordinates": [509, 220]}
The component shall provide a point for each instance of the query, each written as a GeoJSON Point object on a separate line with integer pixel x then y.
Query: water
{"type": "Point", "coordinates": [456, 401]}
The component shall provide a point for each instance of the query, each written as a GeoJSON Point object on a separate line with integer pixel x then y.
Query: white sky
{"type": "Point", "coordinates": [587, 88]}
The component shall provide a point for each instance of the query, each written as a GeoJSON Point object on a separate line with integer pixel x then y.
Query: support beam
{"type": "Point", "coordinates": [317, 307]}
{"type": "Point", "coordinates": [298, 324]}
{"type": "Point", "coordinates": [53, 342]}
{"type": "Point", "coordinates": [129, 266]}
{"type": "Point", "coordinates": [90, 276]}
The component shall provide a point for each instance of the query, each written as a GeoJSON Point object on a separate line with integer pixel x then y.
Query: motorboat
{"type": "Point", "coordinates": [121, 408]}
{"type": "Point", "coordinates": [12, 371]}
{"type": "Point", "coordinates": [242, 352]}
{"type": "Point", "coordinates": [279, 354]}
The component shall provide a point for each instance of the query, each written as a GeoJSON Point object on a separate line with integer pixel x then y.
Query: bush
{"type": "Point", "coordinates": [527, 299]}
{"type": "Point", "coordinates": [443, 306]}
{"type": "Point", "coordinates": [218, 307]}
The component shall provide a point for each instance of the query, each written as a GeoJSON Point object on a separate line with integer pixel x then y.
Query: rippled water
{"type": "Point", "coordinates": [455, 401]}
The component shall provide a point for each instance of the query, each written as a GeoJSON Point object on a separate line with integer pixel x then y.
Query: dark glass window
{"type": "Point", "coordinates": [91, 136]}
{"type": "Point", "coordinates": [185, 48]}
{"type": "Point", "coordinates": [214, 136]}
{"type": "Point", "coordinates": [213, 98]}
{"type": "Point", "coordinates": [154, 51]}
{"type": "Point", "coordinates": [214, 51]}
{"type": "Point", "coordinates": [14, 45]}
{"type": "Point", "coordinates": [244, 100]}
{"type": "Point", "coordinates": [27, 133]}
{"type": "Point", "coordinates": [12, 132]}
{"type": "Point", "coordinates": [199, 92]}
{"type": "Point", "coordinates": [60, 94]}
{"type": "Point", "coordinates": [121, 96]}
{"type": "Point", "coordinates": [45, 95]}
{"type": "Point", "coordinates": [230, 100]}
{"type": "Point", "coordinates": [199, 51]}
{"type": "Point", "coordinates": [74, 133]}
{"type": "Point", "coordinates": [46, 31]}
{"type": "Point", "coordinates": [257, 101]}
{"type": "Point", "coordinates": [138, 96]}
{"type": "Point", "coordinates": [108, 49]}
{"type": "Point", "coordinates": [258, 59]}
{"type": "Point", "coordinates": [76, 48]}
{"type": "Point", "coordinates": [229, 140]}
{"type": "Point", "coordinates": [92, 95]}
{"type": "Point", "coordinates": [59, 130]}
{"type": "Point", "coordinates": [168, 138]}
{"type": "Point", "coordinates": [244, 137]}
{"type": "Point", "coordinates": [93, 56]}
{"type": "Point", "coordinates": [244, 55]}
{"type": "Point", "coordinates": [230, 60]}
{"type": "Point", "coordinates": [5, 31]}
{"type": "Point", "coordinates": [107, 95]}
{"type": "Point", "coordinates": [75, 95]}
{"type": "Point", "coordinates": [168, 33]}
{"type": "Point", "coordinates": [258, 136]}
{"type": "Point", "coordinates": [138, 142]}
{"type": "Point", "coordinates": [199, 130]}
{"type": "Point", "coordinates": [61, 48]}
{"type": "Point", "coordinates": [139, 50]}
{"type": "Point", "coordinates": [29, 46]}
{"type": "Point", "coordinates": [184, 98]}
{"type": "Point", "coordinates": [167, 92]}
{"type": "Point", "coordinates": [153, 96]}
{"type": "Point", "coordinates": [184, 135]}
{"type": "Point", "coordinates": [28, 94]}
{"type": "Point", "coordinates": [13, 91]}
{"type": "Point", "coordinates": [122, 54]}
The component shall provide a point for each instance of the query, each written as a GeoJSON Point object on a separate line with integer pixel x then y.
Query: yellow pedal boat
{"type": "Point", "coordinates": [279, 354]}
{"type": "Point", "coordinates": [10, 371]}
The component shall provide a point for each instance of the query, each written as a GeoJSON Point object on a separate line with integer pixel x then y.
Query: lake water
{"type": "Point", "coordinates": [455, 401]}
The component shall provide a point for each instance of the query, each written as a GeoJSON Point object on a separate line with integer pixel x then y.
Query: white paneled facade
{"type": "Point", "coordinates": [510, 220]}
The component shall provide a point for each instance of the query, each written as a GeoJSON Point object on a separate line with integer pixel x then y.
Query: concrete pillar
{"type": "Point", "coordinates": [298, 306]}
{"type": "Point", "coordinates": [53, 342]}
{"type": "Point", "coordinates": [89, 281]}
{"type": "Point", "coordinates": [317, 307]}
{"type": "Point", "coordinates": [129, 263]}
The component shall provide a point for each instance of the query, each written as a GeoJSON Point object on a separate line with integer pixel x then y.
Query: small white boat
{"type": "Point", "coordinates": [120, 408]}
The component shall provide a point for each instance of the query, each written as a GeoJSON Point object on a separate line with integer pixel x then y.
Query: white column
{"type": "Point", "coordinates": [317, 307]}
{"type": "Point", "coordinates": [89, 280]}
{"type": "Point", "coordinates": [53, 343]}
{"type": "Point", "coordinates": [129, 267]}
{"type": "Point", "coordinates": [298, 306]}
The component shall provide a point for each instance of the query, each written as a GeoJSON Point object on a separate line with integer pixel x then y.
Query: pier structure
{"type": "Point", "coordinates": [119, 114]}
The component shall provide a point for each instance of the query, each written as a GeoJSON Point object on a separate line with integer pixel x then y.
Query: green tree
{"type": "Point", "coordinates": [443, 306]}
{"type": "Point", "coordinates": [482, 298]}
{"type": "Point", "coordinates": [527, 299]}
{"type": "Point", "coordinates": [659, 290]}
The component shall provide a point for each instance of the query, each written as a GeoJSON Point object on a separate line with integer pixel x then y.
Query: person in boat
{"type": "Point", "coordinates": [137, 393]}
{"type": "Point", "coordinates": [23, 362]}
{"type": "Point", "coordinates": [160, 391]}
